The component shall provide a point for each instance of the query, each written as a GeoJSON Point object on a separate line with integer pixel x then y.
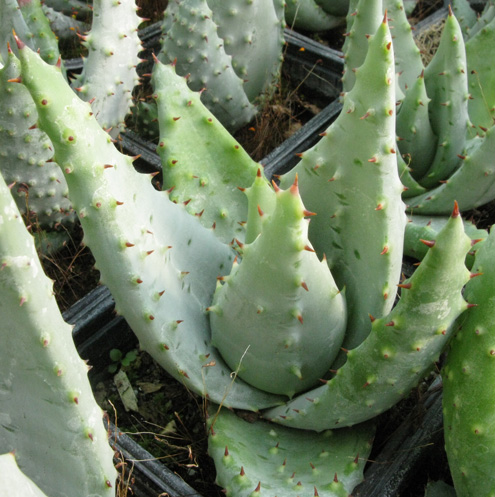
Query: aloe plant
{"type": "Point", "coordinates": [444, 130]}
{"type": "Point", "coordinates": [183, 307]}
{"type": "Point", "coordinates": [231, 50]}
{"type": "Point", "coordinates": [279, 299]}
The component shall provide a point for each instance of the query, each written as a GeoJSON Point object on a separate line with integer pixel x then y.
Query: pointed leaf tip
{"type": "Point", "coordinates": [428, 243]}
{"type": "Point", "coordinates": [294, 189]}
{"type": "Point", "coordinates": [455, 212]}
{"type": "Point", "coordinates": [20, 43]}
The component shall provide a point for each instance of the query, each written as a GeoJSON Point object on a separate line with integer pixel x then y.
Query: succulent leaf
{"type": "Point", "coordinates": [39, 26]}
{"type": "Point", "coordinates": [205, 174]}
{"type": "Point", "coordinates": [14, 482]}
{"type": "Point", "coordinates": [109, 74]}
{"type": "Point", "coordinates": [471, 185]}
{"type": "Point", "coordinates": [468, 402]}
{"type": "Point", "coordinates": [481, 75]}
{"type": "Point", "coordinates": [365, 19]}
{"type": "Point", "coordinates": [259, 458]}
{"type": "Point", "coordinates": [408, 63]}
{"type": "Point", "coordinates": [464, 14]}
{"type": "Point", "coordinates": [48, 414]}
{"type": "Point", "coordinates": [308, 15]}
{"type": "Point", "coordinates": [416, 140]}
{"type": "Point", "coordinates": [334, 7]}
{"type": "Point", "coordinates": [420, 228]}
{"type": "Point", "coordinates": [12, 21]}
{"type": "Point", "coordinates": [261, 198]}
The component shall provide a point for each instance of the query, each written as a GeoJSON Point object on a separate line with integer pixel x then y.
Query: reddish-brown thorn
{"type": "Point", "coordinates": [294, 188]}
{"type": "Point", "coordinates": [428, 243]}
{"type": "Point", "coordinates": [455, 212]}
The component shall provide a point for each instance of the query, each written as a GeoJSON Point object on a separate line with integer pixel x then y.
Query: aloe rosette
{"type": "Point", "coordinates": [444, 126]}
{"type": "Point", "coordinates": [171, 272]}
{"type": "Point", "coordinates": [232, 51]}
{"type": "Point", "coordinates": [460, 168]}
